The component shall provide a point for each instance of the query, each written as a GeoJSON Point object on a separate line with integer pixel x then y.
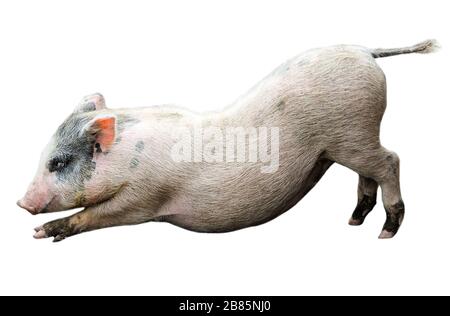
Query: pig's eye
{"type": "Point", "coordinates": [58, 164]}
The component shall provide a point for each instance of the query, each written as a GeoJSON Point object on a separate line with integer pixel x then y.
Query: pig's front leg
{"type": "Point", "coordinates": [107, 214]}
{"type": "Point", "coordinates": [83, 221]}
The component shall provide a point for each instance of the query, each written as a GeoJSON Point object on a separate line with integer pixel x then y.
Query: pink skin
{"type": "Point", "coordinates": [386, 235]}
{"type": "Point", "coordinates": [40, 195]}
{"type": "Point", "coordinates": [40, 233]}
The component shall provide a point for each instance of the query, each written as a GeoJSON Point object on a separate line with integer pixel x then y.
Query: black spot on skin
{"type": "Point", "coordinates": [139, 146]}
{"type": "Point", "coordinates": [134, 163]}
{"type": "Point", "coordinates": [281, 105]}
{"type": "Point", "coordinates": [98, 148]}
{"type": "Point", "coordinates": [364, 207]}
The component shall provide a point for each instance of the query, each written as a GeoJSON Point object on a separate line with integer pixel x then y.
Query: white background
{"type": "Point", "coordinates": [203, 54]}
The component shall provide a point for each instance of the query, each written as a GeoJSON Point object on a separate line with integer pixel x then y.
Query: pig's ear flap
{"type": "Point", "coordinates": [90, 103]}
{"type": "Point", "coordinates": [102, 132]}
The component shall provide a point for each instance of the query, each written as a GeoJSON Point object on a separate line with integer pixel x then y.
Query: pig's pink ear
{"type": "Point", "coordinates": [102, 129]}
{"type": "Point", "coordinates": [92, 102]}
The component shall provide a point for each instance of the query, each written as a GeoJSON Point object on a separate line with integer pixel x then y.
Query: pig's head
{"type": "Point", "coordinates": [68, 163]}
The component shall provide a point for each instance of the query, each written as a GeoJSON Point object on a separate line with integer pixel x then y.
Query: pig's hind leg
{"type": "Point", "coordinates": [383, 167]}
{"type": "Point", "coordinates": [367, 198]}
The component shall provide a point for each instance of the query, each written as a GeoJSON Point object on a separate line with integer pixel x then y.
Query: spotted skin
{"type": "Point", "coordinates": [139, 147]}
{"type": "Point", "coordinates": [134, 163]}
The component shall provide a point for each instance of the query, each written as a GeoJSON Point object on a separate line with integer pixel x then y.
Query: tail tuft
{"type": "Point", "coordinates": [428, 46]}
{"type": "Point", "coordinates": [424, 47]}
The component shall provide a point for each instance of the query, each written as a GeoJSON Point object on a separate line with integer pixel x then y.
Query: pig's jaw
{"type": "Point", "coordinates": [48, 206]}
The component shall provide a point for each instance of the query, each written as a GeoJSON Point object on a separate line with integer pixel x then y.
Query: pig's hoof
{"type": "Point", "coordinates": [40, 233]}
{"type": "Point", "coordinates": [386, 234]}
{"type": "Point", "coordinates": [358, 217]}
{"type": "Point", "coordinates": [355, 221]}
{"type": "Point", "coordinates": [59, 238]}
{"type": "Point", "coordinates": [59, 229]}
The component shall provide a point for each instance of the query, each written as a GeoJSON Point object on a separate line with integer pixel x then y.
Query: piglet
{"type": "Point", "coordinates": [215, 172]}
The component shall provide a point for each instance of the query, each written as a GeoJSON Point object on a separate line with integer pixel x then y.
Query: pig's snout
{"type": "Point", "coordinates": [38, 199]}
{"type": "Point", "coordinates": [40, 205]}
{"type": "Point", "coordinates": [27, 207]}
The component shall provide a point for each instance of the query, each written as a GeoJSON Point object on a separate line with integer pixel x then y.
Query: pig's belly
{"type": "Point", "coordinates": [221, 217]}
